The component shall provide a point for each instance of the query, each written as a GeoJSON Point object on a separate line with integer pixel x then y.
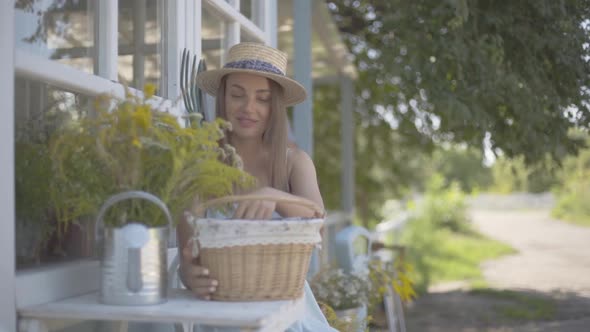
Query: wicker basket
{"type": "Point", "coordinates": [257, 260]}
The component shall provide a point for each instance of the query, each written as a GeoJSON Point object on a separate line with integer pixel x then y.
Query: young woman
{"type": "Point", "coordinates": [252, 93]}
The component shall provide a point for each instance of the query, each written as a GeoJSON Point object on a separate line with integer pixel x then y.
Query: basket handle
{"type": "Point", "coordinates": [318, 212]}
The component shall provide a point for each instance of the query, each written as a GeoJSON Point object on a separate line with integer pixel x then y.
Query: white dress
{"type": "Point", "coordinates": [313, 319]}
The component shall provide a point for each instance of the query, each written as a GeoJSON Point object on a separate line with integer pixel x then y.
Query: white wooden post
{"type": "Point", "coordinates": [232, 30]}
{"type": "Point", "coordinates": [271, 13]}
{"type": "Point", "coordinates": [139, 18]}
{"type": "Point", "coordinates": [197, 21]}
{"type": "Point", "coordinates": [264, 15]}
{"type": "Point", "coordinates": [257, 10]}
{"type": "Point", "coordinates": [177, 32]}
{"type": "Point", "coordinates": [106, 38]}
{"type": "Point", "coordinates": [7, 261]}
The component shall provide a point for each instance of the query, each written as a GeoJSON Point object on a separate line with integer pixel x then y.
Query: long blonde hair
{"type": "Point", "coordinates": [274, 138]}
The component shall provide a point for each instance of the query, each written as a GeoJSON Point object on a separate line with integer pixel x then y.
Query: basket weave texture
{"type": "Point", "coordinates": [260, 271]}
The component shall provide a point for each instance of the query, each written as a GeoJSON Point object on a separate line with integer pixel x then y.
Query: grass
{"type": "Point", "coordinates": [572, 218]}
{"type": "Point", "coordinates": [442, 255]}
{"type": "Point", "coordinates": [520, 306]}
{"type": "Point", "coordinates": [442, 244]}
{"type": "Point", "coordinates": [459, 255]}
{"type": "Point", "coordinates": [572, 198]}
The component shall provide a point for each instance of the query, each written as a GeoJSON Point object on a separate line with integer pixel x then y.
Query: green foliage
{"type": "Point", "coordinates": [135, 147]}
{"type": "Point", "coordinates": [514, 175]}
{"type": "Point", "coordinates": [328, 149]}
{"type": "Point", "coordinates": [386, 165]}
{"type": "Point", "coordinates": [510, 175]}
{"type": "Point", "coordinates": [473, 70]}
{"type": "Point", "coordinates": [32, 185]}
{"type": "Point", "coordinates": [441, 245]}
{"type": "Point", "coordinates": [462, 72]}
{"type": "Point", "coordinates": [573, 193]}
{"type": "Point", "coordinates": [445, 207]}
{"type": "Point", "coordinates": [33, 180]}
{"type": "Point", "coordinates": [441, 255]}
{"type": "Point", "coordinates": [462, 165]}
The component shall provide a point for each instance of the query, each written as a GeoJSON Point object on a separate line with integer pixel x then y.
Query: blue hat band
{"type": "Point", "coordinates": [257, 65]}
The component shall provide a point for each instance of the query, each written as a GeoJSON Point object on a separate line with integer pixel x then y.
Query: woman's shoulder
{"type": "Point", "coordinates": [295, 155]}
{"type": "Point", "coordinates": [302, 175]}
{"type": "Point", "coordinates": [298, 161]}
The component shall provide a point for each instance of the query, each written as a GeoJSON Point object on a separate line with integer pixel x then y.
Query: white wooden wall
{"type": "Point", "coordinates": [7, 278]}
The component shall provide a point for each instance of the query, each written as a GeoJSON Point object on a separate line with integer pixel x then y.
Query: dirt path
{"type": "Point", "coordinates": [552, 266]}
{"type": "Point", "coordinates": [552, 255]}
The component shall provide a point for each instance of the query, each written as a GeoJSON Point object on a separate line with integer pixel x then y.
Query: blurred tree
{"type": "Point", "coordinates": [512, 73]}
{"type": "Point", "coordinates": [328, 150]}
{"type": "Point", "coordinates": [510, 175]}
{"type": "Point", "coordinates": [387, 164]}
{"type": "Point", "coordinates": [463, 165]}
{"type": "Point", "coordinates": [513, 175]}
{"type": "Point", "coordinates": [509, 76]}
{"type": "Point", "coordinates": [52, 18]}
{"type": "Point", "coordinates": [573, 192]}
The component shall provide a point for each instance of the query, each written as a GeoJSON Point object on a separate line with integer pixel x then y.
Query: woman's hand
{"type": "Point", "coordinates": [194, 276]}
{"type": "Point", "coordinates": [256, 209]}
{"type": "Point", "coordinates": [263, 209]}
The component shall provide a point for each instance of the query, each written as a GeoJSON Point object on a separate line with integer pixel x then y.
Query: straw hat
{"type": "Point", "coordinates": [259, 59]}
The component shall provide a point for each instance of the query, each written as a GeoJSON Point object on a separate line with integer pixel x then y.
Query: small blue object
{"type": "Point", "coordinates": [348, 259]}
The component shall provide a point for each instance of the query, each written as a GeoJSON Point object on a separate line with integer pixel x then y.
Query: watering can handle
{"type": "Point", "coordinates": [129, 195]}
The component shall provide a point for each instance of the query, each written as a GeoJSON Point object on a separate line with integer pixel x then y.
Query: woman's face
{"type": "Point", "coordinates": [247, 104]}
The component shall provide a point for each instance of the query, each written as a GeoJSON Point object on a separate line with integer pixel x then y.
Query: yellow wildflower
{"type": "Point", "coordinates": [136, 142]}
{"type": "Point", "coordinates": [149, 90]}
{"type": "Point", "coordinates": [142, 117]}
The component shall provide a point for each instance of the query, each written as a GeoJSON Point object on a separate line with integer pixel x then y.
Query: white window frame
{"type": "Point", "coordinates": [230, 12]}
{"type": "Point", "coordinates": [7, 236]}
{"type": "Point", "coordinates": [182, 30]}
{"type": "Point", "coordinates": [53, 282]}
{"type": "Point", "coordinates": [106, 43]}
{"type": "Point", "coordinates": [264, 15]}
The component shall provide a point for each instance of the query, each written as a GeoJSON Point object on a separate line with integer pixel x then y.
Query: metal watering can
{"type": "Point", "coordinates": [133, 257]}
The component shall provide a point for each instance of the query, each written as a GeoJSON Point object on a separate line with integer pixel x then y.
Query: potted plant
{"type": "Point", "coordinates": [38, 237]}
{"type": "Point", "coordinates": [137, 169]}
{"type": "Point", "coordinates": [387, 277]}
{"type": "Point", "coordinates": [346, 293]}
{"type": "Point", "coordinates": [32, 182]}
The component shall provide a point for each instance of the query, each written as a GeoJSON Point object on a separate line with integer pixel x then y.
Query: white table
{"type": "Point", "coordinates": [182, 307]}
